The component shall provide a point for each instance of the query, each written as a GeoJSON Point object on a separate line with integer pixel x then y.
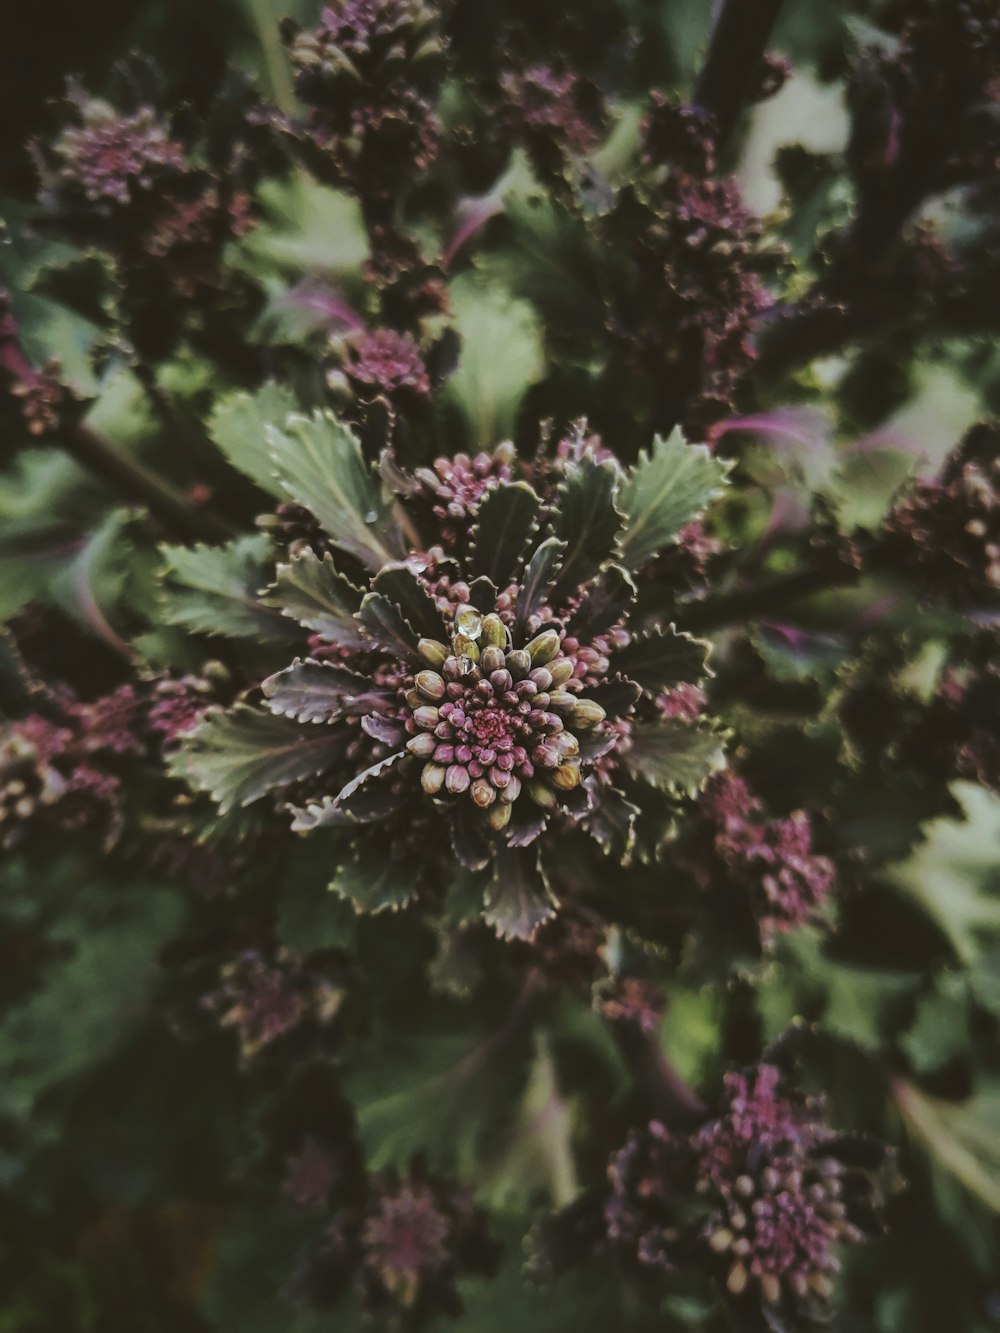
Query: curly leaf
{"type": "Point", "coordinates": [369, 796]}
{"type": "Point", "coordinates": [311, 691]}
{"type": "Point", "coordinates": [666, 490]}
{"type": "Point", "coordinates": [504, 523]}
{"type": "Point", "coordinates": [663, 658]}
{"type": "Point", "coordinates": [399, 585]}
{"type": "Point", "coordinates": [214, 590]}
{"type": "Point", "coordinates": [309, 591]}
{"type": "Point", "coordinates": [320, 465]}
{"type": "Point", "coordinates": [538, 574]}
{"type": "Point", "coordinates": [674, 756]}
{"type": "Point", "coordinates": [240, 755]}
{"type": "Point", "coordinates": [588, 521]}
{"type": "Point", "coordinates": [238, 425]}
{"type": "Point", "coordinates": [387, 626]}
{"type": "Point", "coordinates": [375, 881]}
{"type": "Point", "coordinates": [607, 600]}
{"type": "Point", "coordinates": [611, 822]}
{"type": "Point", "coordinates": [518, 899]}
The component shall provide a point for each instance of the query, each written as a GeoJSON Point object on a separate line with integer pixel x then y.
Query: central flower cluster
{"type": "Point", "coordinates": [493, 721]}
{"type": "Point", "coordinates": [110, 155]}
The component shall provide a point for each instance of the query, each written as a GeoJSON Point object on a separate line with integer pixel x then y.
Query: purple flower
{"type": "Point", "coordinates": [111, 157]}
{"type": "Point", "coordinates": [265, 998]}
{"type": "Point", "coordinates": [455, 487]}
{"type": "Point", "coordinates": [389, 363]}
{"type": "Point", "coordinates": [772, 859]}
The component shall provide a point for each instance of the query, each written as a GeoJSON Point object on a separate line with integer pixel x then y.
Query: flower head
{"type": "Point", "coordinates": [265, 998]}
{"type": "Point", "coordinates": [389, 363]}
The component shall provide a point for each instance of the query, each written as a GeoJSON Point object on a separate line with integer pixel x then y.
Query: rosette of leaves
{"type": "Point", "coordinates": [459, 719]}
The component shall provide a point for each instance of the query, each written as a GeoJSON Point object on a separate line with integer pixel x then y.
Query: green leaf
{"type": "Point", "coordinates": [501, 357]}
{"type": "Point", "coordinates": [90, 1003]}
{"type": "Point", "coordinates": [940, 1030]}
{"type": "Point", "coordinates": [666, 490]}
{"type": "Point", "coordinates": [375, 881]}
{"type": "Point", "coordinates": [320, 465]}
{"type": "Point", "coordinates": [387, 626]}
{"type": "Point", "coordinates": [612, 823]}
{"type": "Point", "coordinates": [964, 1137]}
{"type": "Point", "coordinates": [399, 585]}
{"type": "Point", "coordinates": [504, 523]}
{"type": "Point", "coordinates": [675, 756]}
{"type": "Point", "coordinates": [311, 691]}
{"type": "Point", "coordinates": [539, 572]}
{"type": "Point", "coordinates": [215, 590]}
{"type": "Point", "coordinates": [310, 591]}
{"type": "Point", "coordinates": [369, 797]}
{"type": "Point", "coordinates": [239, 424]}
{"type": "Point", "coordinates": [588, 521]}
{"type": "Point", "coordinates": [518, 899]}
{"type": "Point", "coordinates": [662, 658]}
{"type": "Point", "coordinates": [607, 600]}
{"type": "Point", "coordinates": [240, 755]}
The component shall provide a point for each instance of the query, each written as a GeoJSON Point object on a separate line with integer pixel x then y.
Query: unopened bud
{"type": "Point", "coordinates": [423, 746]}
{"type": "Point", "coordinates": [432, 778]}
{"type": "Point", "coordinates": [542, 794]}
{"type": "Point", "coordinates": [587, 714]}
{"type": "Point", "coordinates": [720, 1240]}
{"type": "Point", "coordinates": [466, 647]}
{"type": "Point", "coordinates": [430, 684]}
{"type": "Point", "coordinates": [566, 777]}
{"type": "Point", "coordinates": [469, 622]}
{"type": "Point", "coordinates": [770, 1286]}
{"type": "Point", "coordinates": [492, 659]}
{"type": "Point", "coordinates": [457, 779]}
{"type": "Point", "coordinates": [433, 651]}
{"type": "Point", "coordinates": [426, 717]}
{"type": "Point", "coordinates": [494, 632]}
{"type": "Point", "coordinates": [518, 663]}
{"type": "Point", "coordinates": [483, 793]}
{"type": "Point", "coordinates": [561, 671]}
{"type": "Point", "coordinates": [543, 647]}
{"type": "Point", "coordinates": [499, 816]}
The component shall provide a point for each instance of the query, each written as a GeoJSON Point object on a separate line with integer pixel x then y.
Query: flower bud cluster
{"type": "Point", "coordinates": [389, 363]}
{"type": "Point", "coordinates": [490, 721]}
{"type": "Point", "coordinates": [771, 858]}
{"type": "Point", "coordinates": [265, 998]}
{"type": "Point", "coordinates": [455, 487]}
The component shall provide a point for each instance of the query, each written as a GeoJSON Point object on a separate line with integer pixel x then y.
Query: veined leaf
{"type": "Point", "coordinates": [310, 591]}
{"type": "Point", "coordinates": [501, 357]}
{"type": "Point", "coordinates": [662, 658]}
{"type": "Point", "coordinates": [666, 490]}
{"type": "Point", "coordinates": [962, 1136]}
{"type": "Point", "coordinates": [238, 425]}
{"type": "Point", "coordinates": [214, 590]}
{"type": "Point", "coordinates": [503, 525]}
{"type": "Point", "coordinates": [320, 465]}
{"type": "Point", "coordinates": [375, 881]}
{"type": "Point", "coordinates": [588, 521]}
{"type": "Point", "coordinates": [310, 691]}
{"type": "Point", "coordinates": [240, 755]}
{"type": "Point", "coordinates": [368, 796]}
{"type": "Point", "coordinates": [675, 756]}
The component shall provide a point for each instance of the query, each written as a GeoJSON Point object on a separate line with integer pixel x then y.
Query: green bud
{"type": "Point", "coordinates": [499, 816]}
{"type": "Point", "coordinates": [468, 622]}
{"type": "Point", "coordinates": [494, 631]}
{"type": "Point", "coordinates": [430, 684]}
{"type": "Point", "coordinates": [561, 671]}
{"type": "Point", "coordinates": [542, 794]}
{"type": "Point", "coordinates": [562, 702]}
{"type": "Point", "coordinates": [427, 717]}
{"type": "Point", "coordinates": [518, 663]}
{"type": "Point", "coordinates": [457, 779]}
{"type": "Point", "coordinates": [423, 746]}
{"type": "Point", "coordinates": [587, 714]}
{"type": "Point", "coordinates": [543, 647]}
{"type": "Point", "coordinates": [466, 647]}
{"type": "Point", "coordinates": [432, 778]}
{"type": "Point", "coordinates": [483, 793]}
{"type": "Point", "coordinates": [720, 1240]}
{"type": "Point", "coordinates": [433, 651]}
{"type": "Point", "coordinates": [565, 777]}
{"type": "Point", "coordinates": [492, 659]}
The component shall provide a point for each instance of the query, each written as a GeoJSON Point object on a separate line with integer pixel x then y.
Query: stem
{"type": "Point", "coordinates": [663, 1093]}
{"type": "Point", "coordinates": [729, 75]}
{"type": "Point", "coordinates": [743, 604]}
{"type": "Point", "coordinates": [137, 483]}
